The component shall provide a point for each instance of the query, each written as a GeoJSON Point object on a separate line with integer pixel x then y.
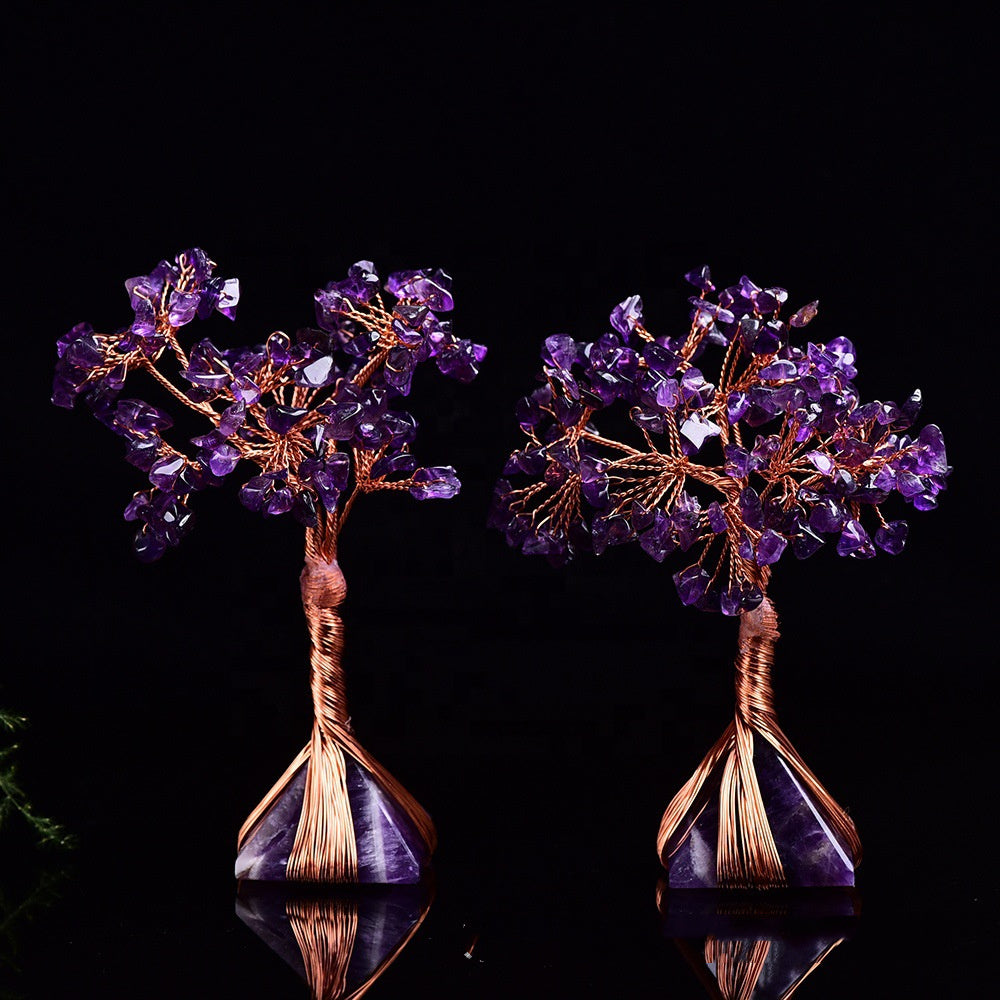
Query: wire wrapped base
{"type": "Point", "coordinates": [336, 815]}
{"type": "Point", "coordinates": [753, 816]}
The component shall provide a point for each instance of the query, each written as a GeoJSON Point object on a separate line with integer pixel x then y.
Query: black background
{"type": "Point", "coordinates": [553, 163]}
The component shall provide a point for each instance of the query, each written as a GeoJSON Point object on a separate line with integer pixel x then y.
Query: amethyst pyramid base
{"type": "Point", "coordinates": [810, 852]}
{"type": "Point", "coordinates": [390, 849]}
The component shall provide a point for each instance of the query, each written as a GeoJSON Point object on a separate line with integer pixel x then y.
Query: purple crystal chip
{"type": "Point", "coordinates": [390, 849]}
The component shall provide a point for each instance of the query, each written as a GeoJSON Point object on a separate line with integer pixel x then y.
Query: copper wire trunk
{"type": "Point", "coordinates": [325, 847]}
{"type": "Point", "coordinates": [747, 856]}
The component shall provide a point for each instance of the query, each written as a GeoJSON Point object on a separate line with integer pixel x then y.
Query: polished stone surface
{"type": "Point", "coordinates": [353, 931]}
{"type": "Point", "coordinates": [810, 852]}
{"type": "Point", "coordinates": [390, 849]}
{"type": "Point", "coordinates": [786, 963]}
{"type": "Point", "coordinates": [265, 855]}
{"type": "Point", "coordinates": [771, 941]}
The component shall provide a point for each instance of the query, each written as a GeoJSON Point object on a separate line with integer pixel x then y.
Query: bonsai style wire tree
{"type": "Point", "coordinates": [778, 454]}
{"type": "Point", "coordinates": [311, 416]}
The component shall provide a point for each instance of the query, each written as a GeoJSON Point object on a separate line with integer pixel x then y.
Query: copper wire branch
{"type": "Point", "coordinates": [789, 471]}
{"type": "Point", "coordinates": [257, 443]}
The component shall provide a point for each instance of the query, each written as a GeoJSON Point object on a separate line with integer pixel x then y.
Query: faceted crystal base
{"type": "Point", "coordinates": [809, 850]}
{"type": "Point", "coordinates": [354, 932]}
{"type": "Point", "coordinates": [390, 850]}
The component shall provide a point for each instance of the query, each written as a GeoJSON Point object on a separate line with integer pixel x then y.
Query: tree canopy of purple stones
{"type": "Point", "coordinates": [778, 454]}
{"type": "Point", "coordinates": [310, 414]}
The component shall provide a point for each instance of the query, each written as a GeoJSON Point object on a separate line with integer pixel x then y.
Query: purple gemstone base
{"type": "Point", "coordinates": [390, 849]}
{"type": "Point", "coordinates": [809, 850]}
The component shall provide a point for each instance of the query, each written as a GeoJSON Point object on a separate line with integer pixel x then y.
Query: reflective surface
{"type": "Point", "coordinates": [756, 946]}
{"type": "Point", "coordinates": [339, 941]}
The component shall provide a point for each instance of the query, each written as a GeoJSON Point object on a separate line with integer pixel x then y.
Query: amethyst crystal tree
{"type": "Point", "coordinates": [774, 456]}
{"type": "Point", "coordinates": [311, 416]}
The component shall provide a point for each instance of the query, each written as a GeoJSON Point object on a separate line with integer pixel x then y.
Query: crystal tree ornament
{"type": "Point", "coordinates": [311, 417]}
{"type": "Point", "coordinates": [775, 456]}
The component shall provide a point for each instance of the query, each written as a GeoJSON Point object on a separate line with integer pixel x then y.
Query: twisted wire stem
{"type": "Point", "coordinates": [325, 848]}
{"type": "Point", "coordinates": [747, 856]}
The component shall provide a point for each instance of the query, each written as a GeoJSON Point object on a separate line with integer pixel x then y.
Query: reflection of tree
{"type": "Point", "coordinates": [738, 964]}
{"type": "Point", "coordinates": [744, 947]}
{"type": "Point", "coordinates": [738, 970]}
{"type": "Point", "coordinates": [340, 942]}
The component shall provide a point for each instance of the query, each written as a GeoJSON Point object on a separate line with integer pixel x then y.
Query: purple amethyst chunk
{"type": "Point", "coordinates": [891, 537]}
{"type": "Point", "coordinates": [429, 288]}
{"type": "Point", "coordinates": [750, 507]}
{"type": "Point", "coordinates": [164, 472]}
{"type": "Point", "coordinates": [627, 315]}
{"type": "Point", "coordinates": [770, 545]}
{"type": "Point", "coordinates": [461, 360]}
{"type": "Point", "coordinates": [716, 517]}
{"type": "Point", "coordinates": [691, 584]}
{"type": "Point", "coordinates": [697, 430]}
{"type": "Point", "coordinates": [435, 483]}
{"type": "Point", "coordinates": [855, 542]}
{"type": "Point", "coordinates": [281, 419]}
{"type": "Point", "coordinates": [827, 516]}
{"type": "Point", "coordinates": [701, 278]}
